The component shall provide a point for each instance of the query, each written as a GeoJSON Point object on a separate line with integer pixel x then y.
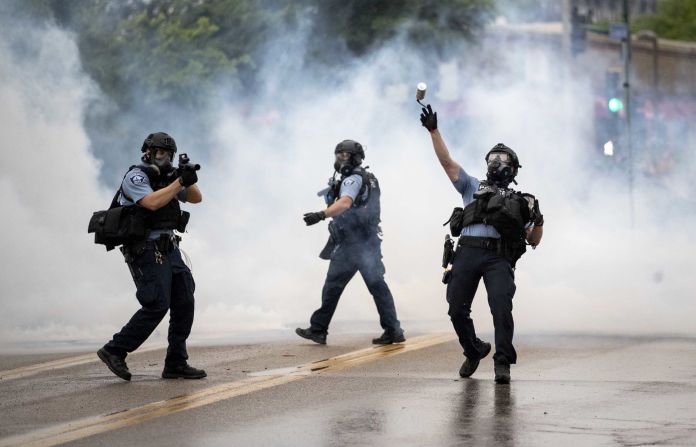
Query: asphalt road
{"type": "Point", "coordinates": [592, 391]}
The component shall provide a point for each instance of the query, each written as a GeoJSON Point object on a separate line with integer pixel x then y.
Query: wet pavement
{"type": "Point", "coordinates": [592, 391]}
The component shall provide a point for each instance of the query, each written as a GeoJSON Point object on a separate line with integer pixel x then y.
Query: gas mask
{"type": "Point", "coordinates": [344, 163]}
{"type": "Point", "coordinates": [501, 169]}
{"type": "Point", "coordinates": [164, 163]}
{"type": "Point", "coordinates": [349, 155]}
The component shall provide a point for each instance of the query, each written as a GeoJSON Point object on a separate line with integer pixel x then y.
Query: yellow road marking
{"type": "Point", "coordinates": [90, 426]}
{"type": "Point", "coordinates": [30, 370]}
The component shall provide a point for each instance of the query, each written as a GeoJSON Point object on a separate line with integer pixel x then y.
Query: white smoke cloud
{"type": "Point", "coordinates": [255, 262]}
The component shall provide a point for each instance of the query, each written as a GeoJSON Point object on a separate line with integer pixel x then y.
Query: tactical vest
{"type": "Point", "coordinates": [127, 225]}
{"type": "Point", "coordinates": [504, 209]}
{"type": "Point", "coordinates": [363, 217]}
{"type": "Point", "coordinates": [170, 216]}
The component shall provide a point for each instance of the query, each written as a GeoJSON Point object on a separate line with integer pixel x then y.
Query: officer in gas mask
{"type": "Point", "coordinates": [493, 228]}
{"type": "Point", "coordinates": [353, 201]}
{"type": "Point", "coordinates": [163, 281]}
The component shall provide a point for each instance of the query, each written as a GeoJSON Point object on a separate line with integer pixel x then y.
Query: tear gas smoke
{"type": "Point", "coordinates": [255, 262]}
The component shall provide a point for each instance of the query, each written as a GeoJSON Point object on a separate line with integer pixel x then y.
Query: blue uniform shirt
{"type": "Point", "coordinates": [467, 185]}
{"type": "Point", "coordinates": [350, 186]}
{"type": "Point", "coordinates": [135, 186]}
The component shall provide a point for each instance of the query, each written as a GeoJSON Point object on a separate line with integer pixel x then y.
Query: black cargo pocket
{"type": "Point", "coordinates": [143, 271]}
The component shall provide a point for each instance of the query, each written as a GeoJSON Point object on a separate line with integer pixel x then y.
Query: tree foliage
{"type": "Point", "coordinates": [675, 19]}
{"type": "Point", "coordinates": [161, 63]}
{"type": "Point", "coordinates": [365, 24]}
{"type": "Point", "coordinates": [156, 51]}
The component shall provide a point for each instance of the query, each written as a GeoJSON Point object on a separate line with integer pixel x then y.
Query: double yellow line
{"type": "Point", "coordinates": [83, 428]}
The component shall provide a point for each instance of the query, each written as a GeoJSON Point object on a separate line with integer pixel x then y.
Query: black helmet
{"type": "Point", "coordinates": [352, 147]}
{"type": "Point", "coordinates": [357, 155]}
{"type": "Point", "coordinates": [159, 140]}
{"type": "Point", "coordinates": [499, 173]}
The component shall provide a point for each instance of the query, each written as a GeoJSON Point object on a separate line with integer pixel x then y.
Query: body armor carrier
{"type": "Point", "coordinates": [363, 218]}
{"type": "Point", "coordinates": [504, 209]}
{"type": "Point", "coordinates": [128, 225]}
{"type": "Point", "coordinates": [170, 216]}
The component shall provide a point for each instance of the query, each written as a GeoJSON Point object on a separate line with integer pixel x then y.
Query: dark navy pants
{"type": "Point", "coordinates": [469, 266]}
{"type": "Point", "coordinates": [168, 286]}
{"type": "Point", "coordinates": [348, 259]}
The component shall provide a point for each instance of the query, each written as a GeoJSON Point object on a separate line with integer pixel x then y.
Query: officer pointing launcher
{"type": "Point", "coordinates": [164, 283]}
{"type": "Point", "coordinates": [354, 244]}
{"type": "Point", "coordinates": [492, 228]}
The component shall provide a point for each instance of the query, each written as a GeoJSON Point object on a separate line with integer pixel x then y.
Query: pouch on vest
{"type": "Point", "coordinates": [183, 221]}
{"type": "Point", "coordinates": [116, 226]}
{"type": "Point", "coordinates": [495, 203]}
{"type": "Point", "coordinates": [456, 221]}
{"type": "Point", "coordinates": [504, 214]}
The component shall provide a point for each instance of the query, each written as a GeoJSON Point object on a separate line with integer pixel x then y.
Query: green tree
{"type": "Point", "coordinates": [149, 52]}
{"type": "Point", "coordinates": [675, 19]}
{"type": "Point", "coordinates": [158, 51]}
{"type": "Point", "coordinates": [162, 63]}
{"type": "Point", "coordinates": [364, 24]}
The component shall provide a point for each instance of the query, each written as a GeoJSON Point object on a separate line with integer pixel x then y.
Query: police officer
{"type": "Point", "coordinates": [493, 228]}
{"type": "Point", "coordinates": [354, 244]}
{"type": "Point", "coordinates": [164, 283]}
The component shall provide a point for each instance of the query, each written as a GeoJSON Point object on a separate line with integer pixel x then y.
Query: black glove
{"type": "Point", "coordinates": [312, 218]}
{"type": "Point", "coordinates": [429, 118]}
{"type": "Point", "coordinates": [538, 217]}
{"type": "Point", "coordinates": [188, 177]}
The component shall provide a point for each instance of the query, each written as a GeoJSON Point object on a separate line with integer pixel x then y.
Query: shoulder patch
{"type": "Point", "coordinates": [137, 179]}
{"type": "Point", "coordinates": [348, 182]}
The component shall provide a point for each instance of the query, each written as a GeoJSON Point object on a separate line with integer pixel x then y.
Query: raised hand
{"type": "Point", "coordinates": [429, 118]}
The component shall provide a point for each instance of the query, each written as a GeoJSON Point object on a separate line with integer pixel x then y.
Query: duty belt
{"type": "Point", "coordinates": [489, 243]}
{"type": "Point", "coordinates": [163, 245]}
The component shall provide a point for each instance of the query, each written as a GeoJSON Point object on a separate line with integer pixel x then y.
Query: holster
{"type": "Point", "coordinates": [448, 252]}
{"type": "Point", "coordinates": [328, 249]}
{"type": "Point", "coordinates": [133, 250]}
{"type": "Point", "coordinates": [512, 251]}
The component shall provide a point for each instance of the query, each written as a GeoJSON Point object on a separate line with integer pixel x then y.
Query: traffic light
{"type": "Point", "coordinates": [614, 104]}
{"type": "Point", "coordinates": [608, 123]}
{"type": "Point", "coordinates": [611, 91]}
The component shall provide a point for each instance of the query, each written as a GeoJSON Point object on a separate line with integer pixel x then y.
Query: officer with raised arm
{"type": "Point", "coordinates": [493, 228]}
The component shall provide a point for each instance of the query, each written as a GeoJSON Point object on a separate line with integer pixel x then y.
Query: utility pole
{"type": "Point", "coordinates": [627, 99]}
{"type": "Point", "coordinates": [565, 22]}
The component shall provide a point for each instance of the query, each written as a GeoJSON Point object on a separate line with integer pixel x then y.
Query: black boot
{"type": "Point", "coordinates": [116, 364]}
{"type": "Point", "coordinates": [502, 373]}
{"type": "Point", "coordinates": [388, 337]}
{"type": "Point", "coordinates": [309, 334]}
{"type": "Point", "coordinates": [469, 366]}
{"type": "Point", "coordinates": [182, 372]}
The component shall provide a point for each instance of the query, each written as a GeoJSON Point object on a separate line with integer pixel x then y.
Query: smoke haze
{"type": "Point", "coordinates": [254, 261]}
